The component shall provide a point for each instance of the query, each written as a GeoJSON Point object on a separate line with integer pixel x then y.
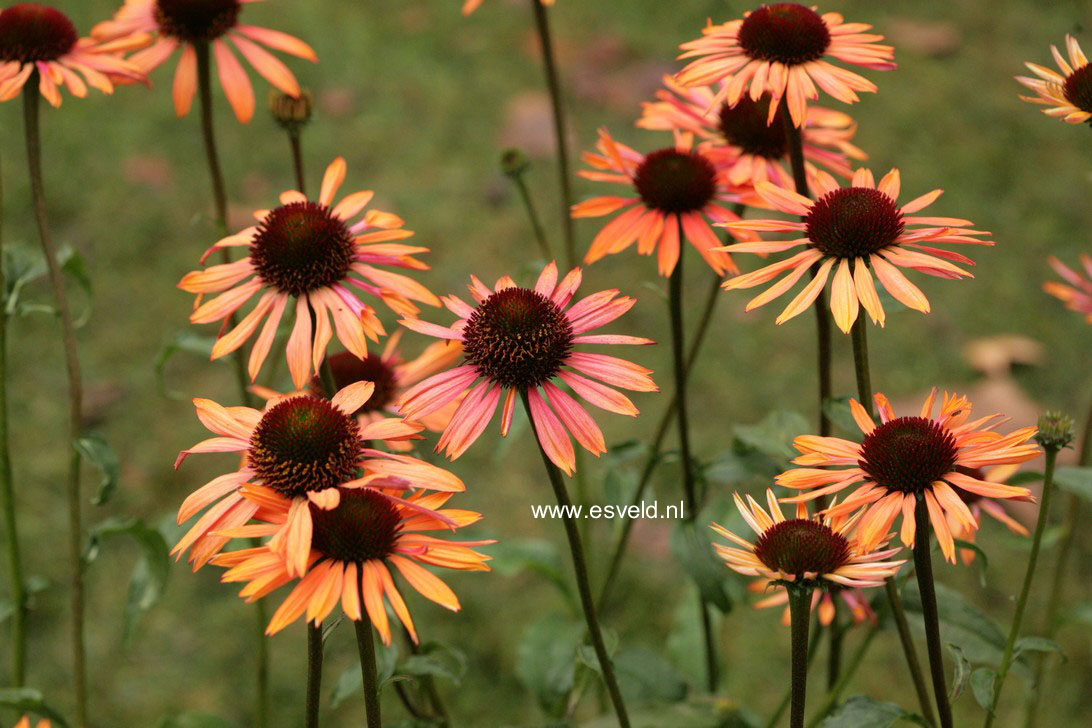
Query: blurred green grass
{"type": "Point", "coordinates": [414, 96]}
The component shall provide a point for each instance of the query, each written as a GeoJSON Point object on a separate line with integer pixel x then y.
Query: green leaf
{"type": "Point", "coordinates": [75, 268]}
{"type": "Point", "coordinates": [514, 557]}
{"type": "Point", "coordinates": [185, 341]}
{"type": "Point", "coordinates": [694, 550]}
{"type": "Point", "coordinates": [1025, 477]}
{"type": "Point", "coordinates": [586, 652]}
{"type": "Point", "coordinates": [22, 263]}
{"type": "Point", "coordinates": [700, 712]}
{"type": "Point", "coordinates": [619, 487]}
{"type": "Point", "coordinates": [982, 562]}
{"type": "Point", "coordinates": [97, 451]}
{"type": "Point", "coordinates": [150, 574]}
{"type": "Point", "coordinates": [435, 659]}
{"type": "Point", "coordinates": [861, 711]}
{"type": "Point", "coordinates": [962, 671]}
{"type": "Point", "coordinates": [645, 676]}
{"type": "Point", "coordinates": [1037, 644]}
{"type": "Point", "coordinates": [773, 436]}
{"type": "Point", "coordinates": [979, 636]}
{"type": "Point", "coordinates": [838, 411]}
{"type": "Point", "coordinates": [741, 468]}
{"type": "Point", "coordinates": [546, 660]}
{"type": "Point", "coordinates": [32, 585]}
{"type": "Point", "coordinates": [982, 680]}
{"type": "Point", "coordinates": [1075, 480]}
{"type": "Point", "coordinates": [28, 700]}
{"type": "Point", "coordinates": [350, 681]}
{"type": "Point", "coordinates": [194, 720]}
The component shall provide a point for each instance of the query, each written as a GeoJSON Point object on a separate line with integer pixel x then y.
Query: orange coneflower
{"type": "Point", "coordinates": [979, 505]}
{"type": "Point", "coordinates": [311, 251]}
{"type": "Point", "coordinates": [862, 230]}
{"type": "Point", "coordinates": [519, 340]}
{"type": "Point", "coordinates": [1068, 96]}
{"type": "Point", "coordinates": [190, 24]}
{"type": "Point", "coordinates": [677, 190]}
{"type": "Point", "coordinates": [348, 556]}
{"type": "Point", "coordinates": [812, 551]}
{"type": "Point", "coordinates": [391, 377]}
{"type": "Point", "coordinates": [304, 448]}
{"type": "Point", "coordinates": [906, 458]}
{"type": "Point", "coordinates": [823, 601]}
{"type": "Point", "coordinates": [40, 38]}
{"type": "Point", "coordinates": [470, 6]}
{"type": "Point", "coordinates": [740, 141]}
{"type": "Point", "coordinates": [1077, 296]}
{"type": "Point", "coordinates": [24, 722]}
{"type": "Point", "coordinates": [780, 49]}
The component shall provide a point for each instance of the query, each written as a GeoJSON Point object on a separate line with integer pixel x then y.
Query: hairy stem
{"type": "Point", "coordinates": [365, 644]}
{"type": "Point", "coordinates": [835, 693]}
{"type": "Point", "coordinates": [576, 549]}
{"type": "Point", "coordinates": [923, 567]}
{"type": "Point", "coordinates": [314, 674]}
{"type": "Point", "coordinates": [1025, 590]}
{"type": "Point", "coordinates": [813, 644]}
{"type": "Point", "coordinates": [297, 160]}
{"type": "Point", "coordinates": [75, 397]}
{"type": "Point", "coordinates": [800, 618]}
{"type": "Point", "coordinates": [542, 25]}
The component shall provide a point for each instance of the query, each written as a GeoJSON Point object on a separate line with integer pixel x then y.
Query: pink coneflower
{"type": "Point", "coordinates": [520, 340]}
{"type": "Point", "coordinates": [197, 24]}
{"type": "Point", "coordinates": [980, 506]}
{"type": "Point", "coordinates": [1068, 95]}
{"type": "Point", "coordinates": [1077, 295]}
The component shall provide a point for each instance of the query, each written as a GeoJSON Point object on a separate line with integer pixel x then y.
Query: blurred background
{"type": "Point", "coordinates": [421, 102]}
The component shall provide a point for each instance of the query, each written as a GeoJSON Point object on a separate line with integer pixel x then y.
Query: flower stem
{"type": "Point", "coordinates": [813, 644]}
{"type": "Point", "coordinates": [923, 567]}
{"type": "Point", "coordinates": [314, 673]}
{"type": "Point", "coordinates": [800, 616]}
{"type": "Point", "coordinates": [834, 656]}
{"type": "Point", "coordinates": [219, 195]}
{"type": "Point", "coordinates": [1057, 581]}
{"type": "Point", "coordinates": [822, 314]}
{"type": "Point", "coordinates": [365, 644]}
{"type": "Point", "coordinates": [835, 693]}
{"type": "Point", "coordinates": [440, 714]}
{"type": "Point", "coordinates": [17, 586]}
{"type": "Point", "coordinates": [542, 25]}
{"type": "Point", "coordinates": [576, 549]}
{"type": "Point", "coordinates": [653, 458]}
{"type": "Point", "coordinates": [532, 214]}
{"type": "Point", "coordinates": [864, 395]}
{"type": "Point", "coordinates": [75, 396]}
{"type": "Point", "coordinates": [297, 160]}
{"type": "Point", "coordinates": [1025, 590]}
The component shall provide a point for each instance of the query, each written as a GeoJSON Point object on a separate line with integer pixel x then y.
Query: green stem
{"type": "Point", "coordinates": [923, 567]}
{"type": "Point", "coordinates": [822, 315]}
{"type": "Point", "coordinates": [813, 645]}
{"type": "Point", "coordinates": [542, 25]}
{"type": "Point", "coordinates": [219, 196]}
{"type": "Point", "coordinates": [835, 693]}
{"type": "Point", "coordinates": [297, 160]}
{"type": "Point", "coordinates": [314, 674]}
{"type": "Point", "coordinates": [864, 395]}
{"type": "Point", "coordinates": [1025, 590]}
{"type": "Point", "coordinates": [17, 587]}
{"type": "Point", "coordinates": [653, 458]}
{"type": "Point", "coordinates": [1057, 581]}
{"type": "Point", "coordinates": [532, 214]}
{"type": "Point", "coordinates": [365, 644]}
{"type": "Point", "coordinates": [800, 618]}
{"type": "Point", "coordinates": [75, 397]}
{"type": "Point", "coordinates": [580, 568]}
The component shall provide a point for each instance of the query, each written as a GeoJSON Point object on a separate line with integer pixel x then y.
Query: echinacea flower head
{"type": "Point", "coordinates": [312, 254]}
{"type": "Point", "coordinates": [907, 458]}
{"type": "Point", "coordinates": [40, 38]}
{"type": "Point", "coordinates": [470, 6]}
{"type": "Point", "coordinates": [979, 506]}
{"type": "Point", "coordinates": [521, 341]}
{"type": "Point", "coordinates": [782, 49]}
{"type": "Point", "coordinates": [817, 552]}
{"type": "Point", "coordinates": [391, 376]}
{"type": "Point", "coordinates": [739, 141]}
{"type": "Point", "coordinates": [167, 25]}
{"type": "Point", "coordinates": [352, 547]}
{"type": "Point", "coordinates": [1067, 95]}
{"type": "Point", "coordinates": [854, 232]}
{"type": "Point", "coordinates": [674, 193]}
{"type": "Point", "coordinates": [307, 449]}
{"type": "Point", "coordinates": [854, 600]}
{"type": "Point", "coordinates": [1076, 292]}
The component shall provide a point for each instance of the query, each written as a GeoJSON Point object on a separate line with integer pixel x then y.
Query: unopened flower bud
{"type": "Point", "coordinates": [291, 112]}
{"type": "Point", "coordinates": [1055, 431]}
{"type": "Point", "coordinates": [514, 162]}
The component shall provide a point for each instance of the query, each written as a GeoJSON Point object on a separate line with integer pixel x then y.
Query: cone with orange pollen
{"type": "Point", "coordinates": [1076, 292]}
{"type": "Point", "coordinates": [781, 49]}
{"type": "Point", "coordinates": [312, 252]}
{"type": "Point", "coordinates": [309, 450]}
{"type": "Point", "coordinates": [351, 550]}
{"type": "Point", "coordinates": [521, 340]}
{"type": "Point", "coordinates": [1067, 95]}
{"type": "Point", "coordinates": [164, 26]}
{"type": "Point", "coordinates": [854, 232]}
{"type": "Point", "coordinates": [906, 458]}
{"type": "Point", "coordinates": [675, 193]}
{"type": "Point", "coordinates": [41, 38]}
{"type": "Point", "coordinates": [391, 376]}
{"type": "Point", "coordinates": [741, 143]}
